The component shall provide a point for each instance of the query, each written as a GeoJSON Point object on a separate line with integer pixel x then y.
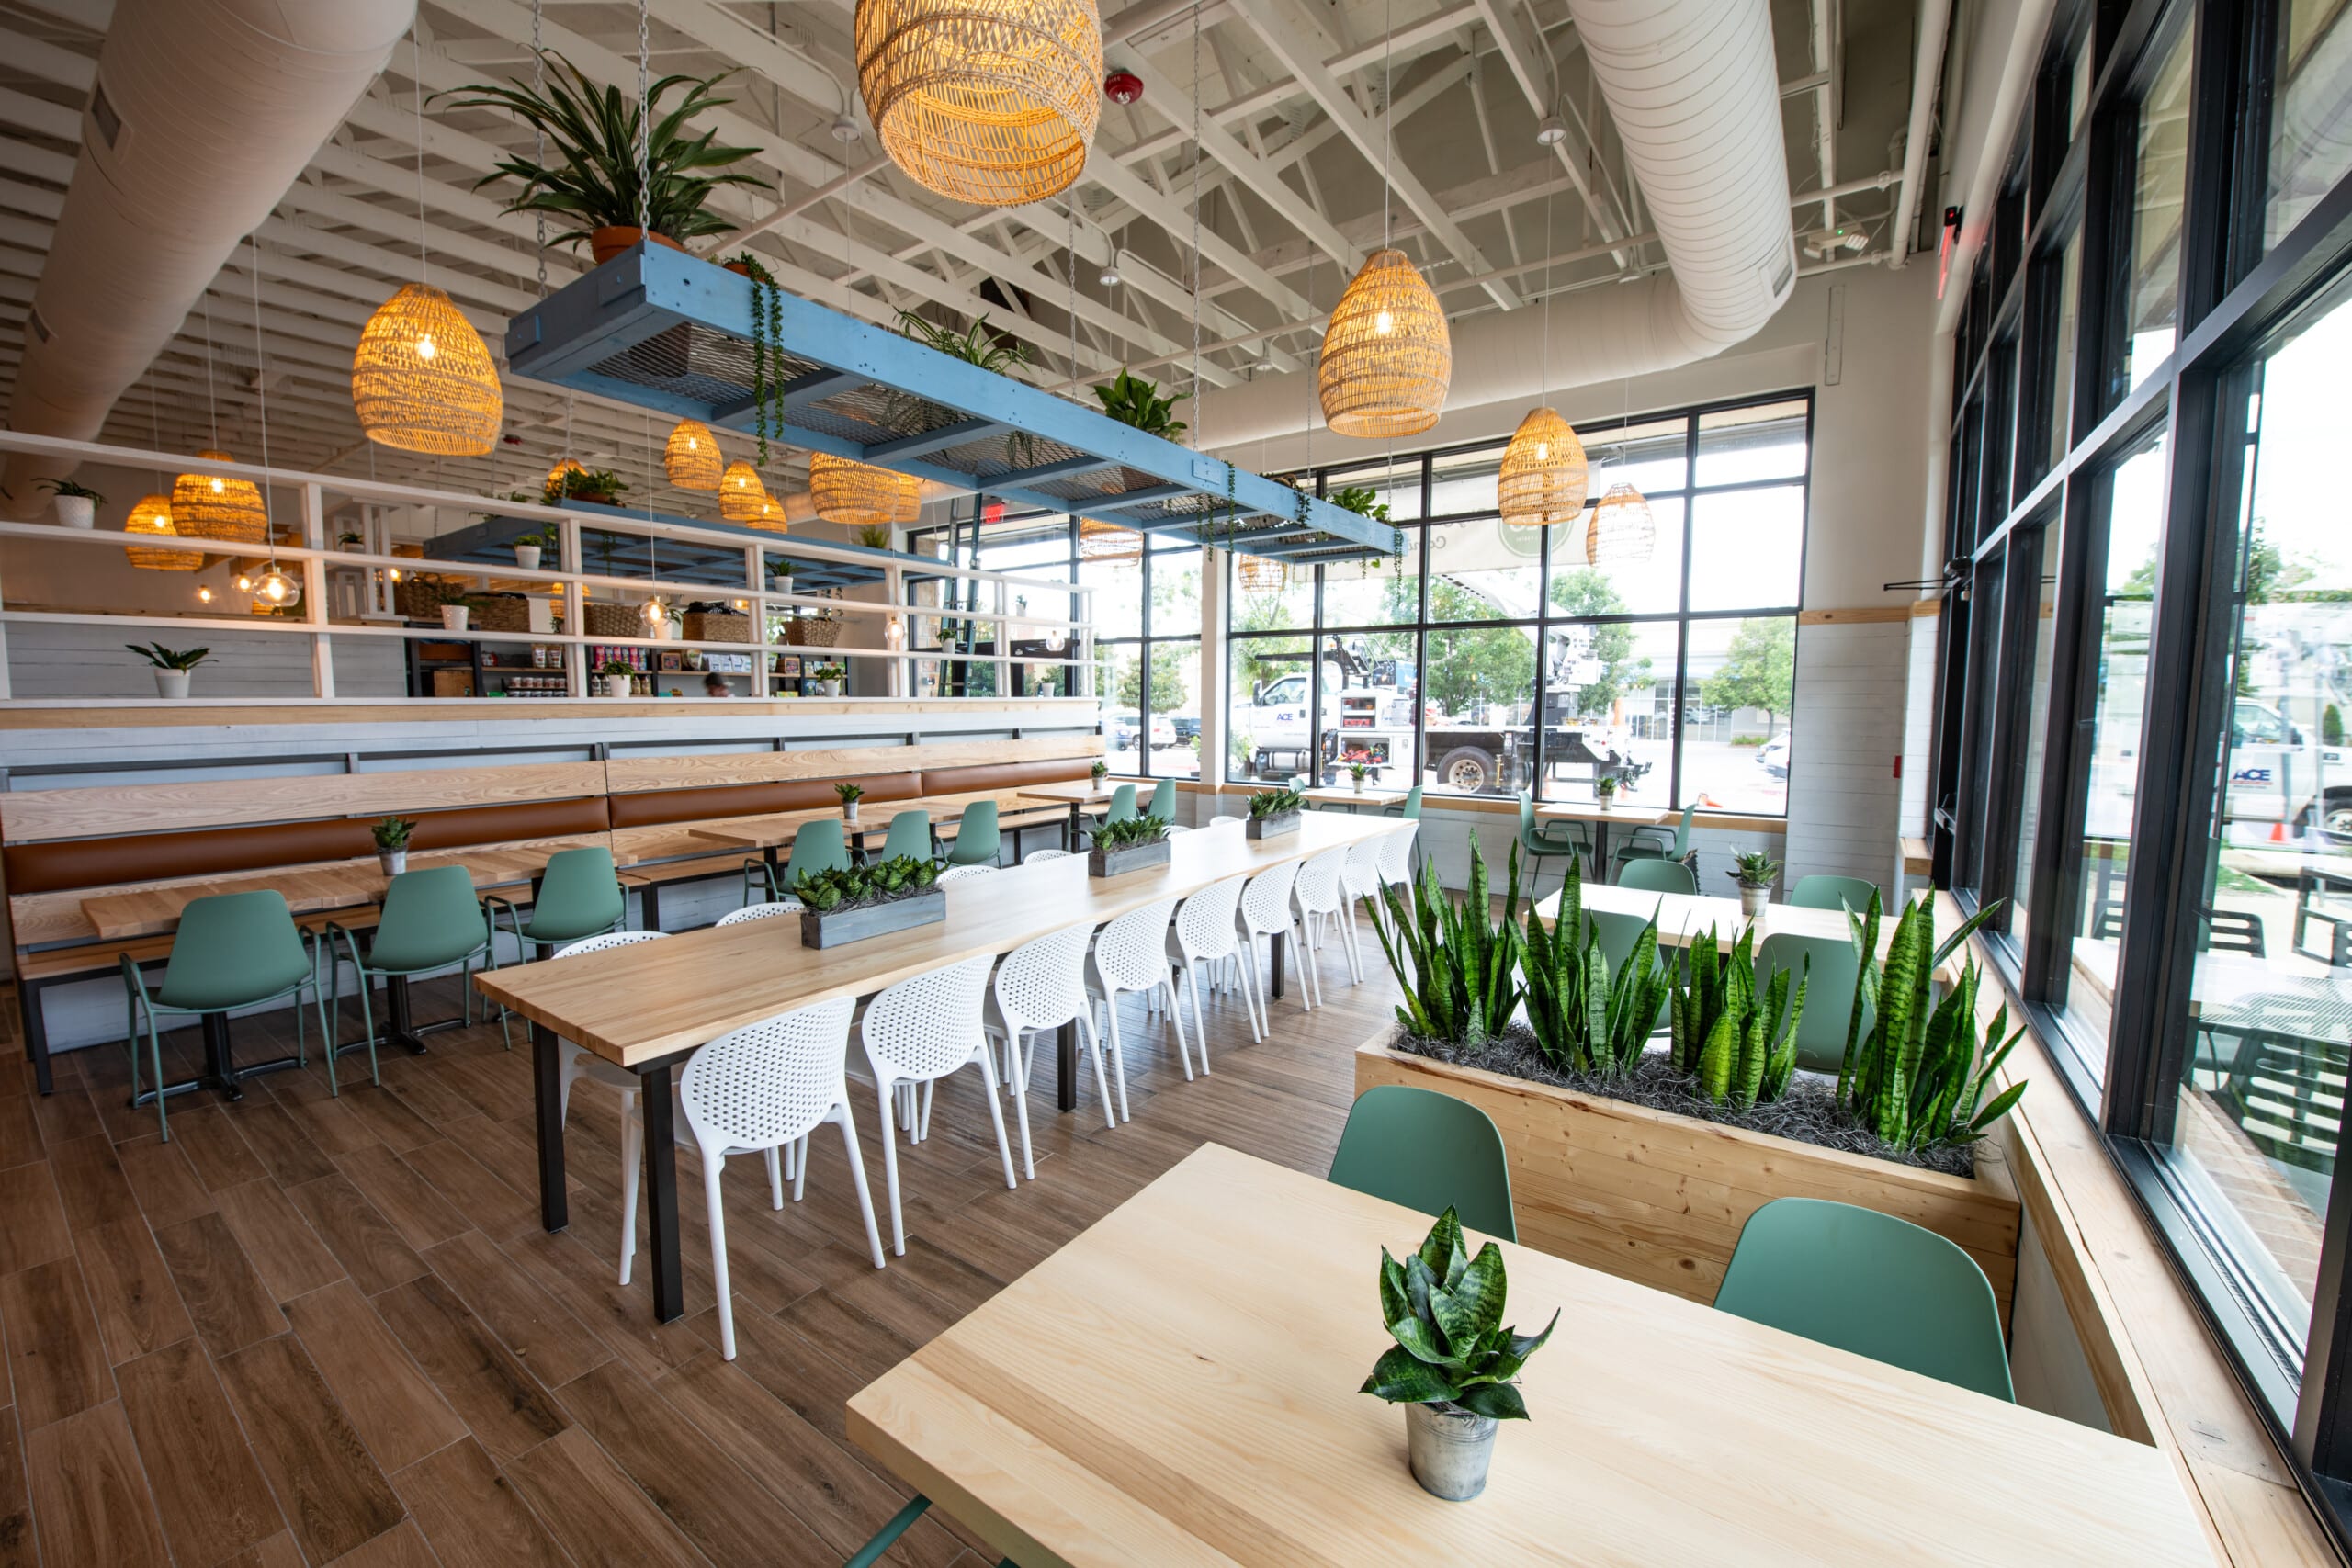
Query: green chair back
{"type": "Point", "coordinates": [1122, 803]}
{"type": "Point", "coordinates": [1682, 832]}
{"type": "Point", "coordinates": [1834, 893]}
{"type": "Point", "coordinates": [817, 846]}
{"type": "Point", "coordinates": [1409, 809]}
{"type": "Point", "coordinates": [1657, 876]}
{"type": "Point", "coordinates": [1829, 992]}
{"type": "Point", "coordinates": [233, 948]}
{"type": "Point", "coordinates": [1636, 847]}
{"type": "Point", "coordinates": [1427, 1151]}
{"type": "Point", "coordinates": [1870, 1284]}
{"type": "Point", "coordinates": [910, 834]}
{"type": "Point", "coordinates": [431, 919]}
{"type": "Point", "coordinates": [978, 840]}
{"type": "Point", "coordinates": [579, 895]}
{"type": "Point", "coordinates": [1618, 933]}
{"type": "Point", "coordinates": [1163, 801]}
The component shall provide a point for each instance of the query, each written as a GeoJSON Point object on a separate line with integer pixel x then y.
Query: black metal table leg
{"type": "Point", "coordinates": [400, 1026]}
{"type": "Point", "coordinates": [35, 1030]}
{"type": "Point", "coordinates": [1275, 944]}
{"type": "Point", "coordinates": [1066, 1066]}
{"type": "Point", "coordinates": [1601, 850]}
{"type": "Point", "coordinates": [1070, 830]}
{"type": "Point", "coordinates": [220, 1064]}
{"type": "Point", "coordinates": [660, 1187]}
{"type": "Point", "coordinates": [547, 1074]}
{"type": "Point", "coordinates": [649, 905]}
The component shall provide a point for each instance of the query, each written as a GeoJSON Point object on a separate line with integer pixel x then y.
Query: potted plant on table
{"type": "Point", "coordinates": [1754, 871]}
{"type": "Point", "coordinates": [77, 504]}
{"type": "Point", "coordinates": [852, 903]}
{"type": "Point", "coordinates": [1605, 789]}
{"type": "Point", "coordinates": [591, 178]}
{"type": "Point", "coordinates": [1274, 812]}
{"type": "Point", "coordinates": [1357, 774]}
{"type": "Point", "coordinates": [173, 667]}
{"type": "Point", "coordinates": [615, 673]}
{"type": "Point", "coordinates": [1133, 845]}
{"type": "Point", "coordinates": [851, 795]}
{"type": "Point", "coordinates": [391, 844]}
{"type": "Point", "coordinates": [1455, 1366]}
{"type": "Point", "coordinates": [1099, 772]}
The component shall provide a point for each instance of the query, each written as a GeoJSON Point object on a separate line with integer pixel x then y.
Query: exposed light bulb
{"type": "Point", "coordinates": [425, 346]}
{"type": "Point", "coordinates": [394, 574]}
{"type": "Point", "coordinates": [204, 595]}
{"type": "Point", "coordinates": [1384, 324]}
{"type": "Point", "coordinates": [244, 584]}
{"type": "Point", "coordinates": [218, 485]}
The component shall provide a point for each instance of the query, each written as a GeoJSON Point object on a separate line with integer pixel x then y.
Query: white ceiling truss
{"type": "Point", "coordinates": [1278, 145]}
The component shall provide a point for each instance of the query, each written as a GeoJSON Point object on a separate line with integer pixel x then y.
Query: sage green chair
{"type": "Point", "coordinates": [1163, 801]}
{"type": "Point", "coordinates": [978, 840]}
{"type": "Point", "coordinates": [1870, 1284]}
{"type": "Point", "coordinates": [1652, 843]}
{"type": "Point", "coordinates": [1829, 984]}
{"type": "Point", "coordinates": [1834, 893]}
{"type": "Point", "coordinates": [817, 846]}
{"type": "Point", "coordinates": [1409, 808]}
{"type": "Point", "coordinates": [910, 834]}
{"type": "Point", "coordinates": [1657, 876]}
{"type": "Point", "coordinates": [233, 950]}
{"type": "Point", "coordinates": [579, 895]}
{"type": "Point", "coordinates": [1540, 844]}
{"type": "Point", "coordinates": [1618, 933]}
{"type": "Point", "coordinates": [431, 920]}
{"type": "Point", "coordinates": [866, 1556]}
{"type": "Point", "coordinates": [1428, 1151]}
{"type": "Point", "coordinates": [1122, 803]}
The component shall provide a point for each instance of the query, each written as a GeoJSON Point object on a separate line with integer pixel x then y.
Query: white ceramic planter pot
{"type": "Point", "coordinates": [453, 616]}
{"type": "Point", "coordinates": [1359, 784]}
{"type": "Point", "coordinates": [1754, 900]}
{"type": "Point", "coordinates": [77, 510]}
{"type": "Point", "coordinates": [395, 862]}
{"type": "Point", "coordinates": [664, 630]}
{"type": "Point", "coordinates": [172, 683]}
{"type": "Point", "coordinates": [616, 685]}
{"type": "Point", "coordinates": [1451, 1449]}
{"type": "Point", "coordinates": [779, 584]}
{"type": "Point", "coordinates": [527, 557]}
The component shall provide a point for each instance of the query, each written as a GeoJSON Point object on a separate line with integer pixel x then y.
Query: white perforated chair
{"type": "Point", "coordinates": [1396, 857]}
{"type": "Point", "coordinates": [1207, 931]}
{"type": "Point", "coordinates": [1041, 984]}
{"type": "Point", "coordinates": [916, 1032]}
{"type": "Point", "coordinates": [1321, 895]}
{"type": "Point", "coordinates": [1034, 856]}
{"type": "Point", "coordinates": [1131, 955]}
{"type": "Point", "coordinates": [786, 905]}
{"type": "Point", "coordinates": [753, 1091]}
{"type": "Point", "coordinates": [578, 1063]}
{"type": "Point", "coordinates": [1266, 912]}
{"type": "Point", "coordinates": [1360, 879]}
{"type": "Point", "coordinates": [957, 873]}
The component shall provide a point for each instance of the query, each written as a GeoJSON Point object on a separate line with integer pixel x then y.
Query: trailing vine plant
{"type": "Point", "coordinates": [767, 354]}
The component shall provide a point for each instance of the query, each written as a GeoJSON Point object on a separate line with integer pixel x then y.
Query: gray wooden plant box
{"type": "Point", "coordinates": [1133, 857]}
{"type": "Point", "coordinates": [1271, 827]}
{"type": "Point", "coordinates": [872, 920]}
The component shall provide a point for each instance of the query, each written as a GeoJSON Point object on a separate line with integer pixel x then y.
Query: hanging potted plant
{"type": "Point", "coordinates": [1455, 1367]}
{"type": "Point", "coordinates": [77, 504]}
{"type": "Point", "coordinates": [173, 667]}
{"type": "Point", "coordinates": [615, 673]}
{"type": "Point", "coordinates": [601, 486]}
{"type": "Point", "coordinates": [979, 345]}
{"type": "Point", "coordinates": [591, 179]}
{"type": "Point", "coordinates": [1135, 401]}
{"type": "Point", "coordinates": [391, 844]}
{"type": "Point", "coordinates": [1754, 871]}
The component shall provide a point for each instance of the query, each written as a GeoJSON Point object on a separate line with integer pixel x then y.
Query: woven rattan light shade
{"type": "Point", "coordinates": [691, 456]}
{"type": "Point", "coordinates": [741, 493]}
{"type": "Point", "coordinates": [1098, 540]}
{"type": "Point", "coordinates": [153, 516]}
{"type": "Point", "coordinates": [991, 102]}
{"type": "Point", "coordinates": [1260, 575]}
{"type": "Point", "coordinates": [1622, 528]}
{"type": "Point", "coordinates": [1387, 357]}
{"type": "Point", "coordinates": [766, 513]}
{"type": "Point", "coordinates": [422, 380]}
{"type": "Point", "coordinates": [205, 507]}
{"type": "Point", "coordinates": [1544, 476]}
{"type": "Point", "coordinates": [861, 495]}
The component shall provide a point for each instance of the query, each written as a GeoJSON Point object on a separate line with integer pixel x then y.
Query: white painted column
{"type": "Point", "coordinates": [314, 591]}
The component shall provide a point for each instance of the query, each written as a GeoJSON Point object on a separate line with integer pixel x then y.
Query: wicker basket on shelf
{"type": "Point", "coordinates": [501, 613]}
{"type": "Point", "coordinates": [598, 619]}
{"type": "Point", "coordinates": [808, 631]}
{"type": "Point", "coordinates": [420, 598]}
{"type": "Point", "coordinates": [718, 625]}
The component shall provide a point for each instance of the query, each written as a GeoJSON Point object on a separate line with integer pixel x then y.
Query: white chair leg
{"type": "Point", "coordinates": [632, 1159]}
{"type": "Point", "coordinates": [1355, 952]}
{"type": "Point", "coordinates": [1118, 1057]}
{"type": "Point", "coordinates": [713, 1164]}
{"type": "Point", "coordinates": [1200, 1024]}
{"type": "Point", "coordinates": [1176, 1022]}
{"type": "Point", "coordinates": [1102, 1082]}
{"type": "Point", "coordinates": [775, 1176]}
{"type": "Point", "coordinates": [857, 1175]}
{"type": "Point", "coordinates": [923, 1115]}
{"type": "Point", "coordinates": [1017, 1086]}
{"type": "Point", "coordinates": [800, 1167]}
{"type": "Point", "coordinates": [890, 1173]}
{"type": "Point", "coordinates": [996, 1115]}
{"type": "Point", "coordinates": [1245, 979]}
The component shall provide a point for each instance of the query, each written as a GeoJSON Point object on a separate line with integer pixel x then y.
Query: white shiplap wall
{"type": "Point", "coordinates": [62, 660]}
{"type": "Point", "coordinates": [1853, 684]}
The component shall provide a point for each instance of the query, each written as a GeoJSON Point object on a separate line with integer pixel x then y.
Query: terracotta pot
{"type": "Point", "coordinates": [739, 269]}
{"type": "Point", "coordinates": [603, 245]}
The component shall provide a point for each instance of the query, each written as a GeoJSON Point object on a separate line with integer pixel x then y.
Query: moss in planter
{"type": "Point", "coordinates": [1807, 1114]}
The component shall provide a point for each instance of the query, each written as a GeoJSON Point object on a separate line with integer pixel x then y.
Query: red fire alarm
{"type": "Point", "coordinates": [1123, 86]}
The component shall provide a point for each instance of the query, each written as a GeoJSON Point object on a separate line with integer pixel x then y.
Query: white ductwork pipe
{"type": "Point", "coordinates": [204, 113]}
{"type": "Point", "coordinates": [1695, 94]}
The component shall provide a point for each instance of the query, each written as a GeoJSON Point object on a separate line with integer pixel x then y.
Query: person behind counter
{"type": "Point", "coordinates": [715, 685]}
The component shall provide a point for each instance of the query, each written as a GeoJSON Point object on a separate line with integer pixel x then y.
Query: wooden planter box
{"type": "Point", "coordinates": [872, 920]}
{"type": "Point", "coordinates": [1133, 857]}
{"type": "Point", "coordinates": [1271, 827]}
{"type": "Point", "coordinates": [1660, 1199]}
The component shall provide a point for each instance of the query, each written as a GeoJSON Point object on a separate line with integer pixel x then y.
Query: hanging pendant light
{"type": "Point", "coordinates": [556, 485]}
{"type": "Point", "coordinates": [691, 456]}
{"type": "Point", "coordinates": [1545, 477]}
{"type": "Point", "coordinates": [153, 516]}
{"type": "Point", "coordinates": [1387, 357]}
{"type": "Point", "coordinates": [209, 506]}
{"type": "Point", "coordinates": [1260, 575]}
{"type": "Point", "coordinates": [767, 515]}
{"type": "Point", "coordinates": [276, 589]}
{"type": "Point", "coordinates": [1098, 540]}
{"type": "Point", "coordinates": [860, 495]}
{"type": "Point", "coordinates": [741, 493]}
{"type": "Point", "coordinates": [1622, 529]}
{"type": "Point", "coordinates": [422, 380]}
{"type": "Point", "coordinates": [993, 102]}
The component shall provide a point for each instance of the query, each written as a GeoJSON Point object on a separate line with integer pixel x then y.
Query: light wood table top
{"type": "Point", "coordinates": [635, 1004]}
{"type": "Point", "coordinates": [1348, 795]}
{"type": "Point", "coordinates": [779, 828]}
{"type": "Point", "coordinates": [151, 911]}
{"type": "Point", "coordinates": [1148, 1395]}
{"type": "Point", "coordinates": [1618, 814]}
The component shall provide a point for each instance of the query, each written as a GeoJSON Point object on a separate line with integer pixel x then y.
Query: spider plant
{"type": "Point", "coordinates": [592, 133]}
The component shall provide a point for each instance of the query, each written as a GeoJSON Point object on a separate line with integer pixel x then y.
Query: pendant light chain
{"type": "Point", "coordinates": [1387, 116]}
{"type": "Point", "coordinates": [211, 404]}
{"type": "Point", "coordinates": [416, 55]}
{"type": "Point", "coordinates": [1076, 370]}
{"type": "Point", "coordinates": [1198, 434]}
{"type": "Point", "coordinates": [644, 126]}
{"type": "Point", "coordinates": [539, 136]}
{"type": "Point", "coordinates": [260, 390]}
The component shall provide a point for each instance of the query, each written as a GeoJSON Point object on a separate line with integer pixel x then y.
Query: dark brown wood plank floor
{"type": "Point", "coordinates": [314, 1330]}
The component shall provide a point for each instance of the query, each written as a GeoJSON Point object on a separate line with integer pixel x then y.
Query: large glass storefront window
{"type": "Point", "coordinates": [2152, 286]}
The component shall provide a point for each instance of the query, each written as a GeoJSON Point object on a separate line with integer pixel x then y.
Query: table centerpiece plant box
{"type": "Point", "coordinates": [1649, 1194]}
{"type": "Point", "coordinates": [851, 905]}
{"type": "Point", "coordinates": [1274, 812]}
{"type": "Point", "coordinates": [1136, 844]}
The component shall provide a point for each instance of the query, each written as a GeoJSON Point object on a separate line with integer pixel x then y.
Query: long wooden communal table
{"type": "Point", "coordinates": [1083, 795]}
{"type": "Point", "coordinates": [1178, 1385]}
{"type": "Point", "coordinates": [646, 1006]}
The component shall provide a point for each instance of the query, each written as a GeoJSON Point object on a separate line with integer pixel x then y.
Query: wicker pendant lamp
{"type": "Point", "coordinates": [1387, 356]}
{"type": "Point", "coordinates": [1622, 529]}
{"type": "Point", "coordinates": [1098, 540]}
{"type": "Point", "coordinates": [691, 456]}
{"type": "Point", "coordinates": [153, 516]}
{"type": "Point", "coordinates": [1544, 476]}
{"type": "Point", "coordinates": [764, 512]}
{"type": "Point", "coordinates": [422, 380]}
{"type": "Point", "coordinates": [993, 102]}
{"type": "Point", "coordinates": [207, 506]}
{"type": "Point", "coordinates": [861, 495]}
{"type": "Point", "coordinates": [1260, 575]}
{"type": "Point", "coordinates": [741, 492]}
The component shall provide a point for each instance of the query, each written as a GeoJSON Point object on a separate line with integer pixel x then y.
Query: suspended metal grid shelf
{"type": "Point", "coordinates": [719, 562]}
{"type": "Point", "coordinates": [662, 330]}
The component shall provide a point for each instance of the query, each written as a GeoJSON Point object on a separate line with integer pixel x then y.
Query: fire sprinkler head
{"type": "Point", "coordinates": [1123, 86]}
{"type": "Point", "coordinates": [1551, 131]}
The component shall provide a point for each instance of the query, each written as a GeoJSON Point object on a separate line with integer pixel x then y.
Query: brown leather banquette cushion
{"type": "Point", "coordinates": [657, 807]}
{"type": "Point", "coordinates": [999, 776]}
{"type": "Point", "coordinates": [214, 851]}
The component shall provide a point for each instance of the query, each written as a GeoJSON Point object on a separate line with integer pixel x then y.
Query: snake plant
{"type": "Point", "coordinates": [1445, 1309]}
{"type": "Point", "coordinates": [1127, 834]}
{"type": "Point", "coordinates": [1918, 1076]}
{"type": "Point", "coordinates": [1738, 1042]}
{"type": "Point", "coordinates": [1457, 966]}
{"type": "Point", "coordinates": [1274, 803]}
{"type": "Point", "coordinates": [854, 888]}
{"type": "Point", "coordinates": [1584, 1019]}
